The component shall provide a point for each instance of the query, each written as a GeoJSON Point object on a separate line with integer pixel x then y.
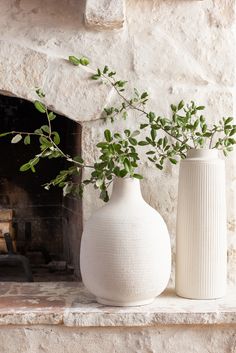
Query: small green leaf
{"type": "Point", "coordinates": [137, 176]}
{"type": "Point", "coordinates": [112, 73]}
{"type": "Point", "coordinates": [228, 120]}
{"type": "Point", "coordinates": [123, 173]}
{"type": "Point", "coordinates": [38, 132]}
{"type": "Point", "coordinates": [180, 105]}
{"type": "Point", "coordinates": [25, 167]}
{"type": "Point", "coordinates": [45, 128]}
{"type": "Point", "coordinates": [34, 161]}
{"type": "Point", "coordinates": [44, 141]}
{"type": "Point", "coordinates": [117, 135]}
{"type": "Point", "coordinates": [102, 144]}
{"type": "Point", "coordinates": [144, 95]}
{"type": "Point", "coordinates": [5, 134]}
{"type": "Point", "coordinates": [127, 132]}
{"type": "Point", "coordinates": [133, 141]}
{"type": "Point", "coordinates": [27, 140]}
{"type": "Point", "coordinates": [143, 143]}
{"type": "Point", "coordinates": [78, 159]}
{"type": "Point", "coordinates": [95, 77]}
{"type": "Point", "coordinates": [56, 138]}
{"type": "Point", "coordinates": [16, 138]}
{"type": "Point", "coordinates": [151, 116]}
{"type": "Point", "coordinates": [153, 134]}
{"type": "Point", "coordinates": [202, 119]}
{"type": "Point", "coordinates": [127, 165]}
{"type": "Point", "coordinates": [135, 133]}
{"type": "Point", "coordinates": [74, 60]}
{"type": "Point", "coordinates": [51, 116]}
{"type": "Point", "coordinates": [173, 161]}
{"type": "Point", "coordinates": [104, 196]}
{"type": "Point", "coordinates": [159, 166]}
{"type": "Point", "coordinates": [196, 123]}
{"type": "Point", "coordinates": [233, 131]}
{"type": "Point", "coordinates": [40, 93]}
{"type": "Point", "coordinates": [201, 107]}
{"type": "Point", "coordinates": [204, 128]}
{"type": "Point", "coordinates": [207, 134]}
{"type": "Point", "coordinates": [108, 136]}
{"type": "Point", "coordinates": [40, 106]}
{"type": "Point", "coordinates": [84, 61]}
{"type": "Point", "coordinates": [106, 69]}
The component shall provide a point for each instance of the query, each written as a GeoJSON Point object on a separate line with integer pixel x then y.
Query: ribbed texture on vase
{"type": "Point", "coordinates": [201, 249]}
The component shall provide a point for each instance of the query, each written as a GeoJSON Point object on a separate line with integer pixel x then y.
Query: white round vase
{"type": "Point", "coordinates": [125, 249]}
{"type": "Point", "coordinates": [201, 248]}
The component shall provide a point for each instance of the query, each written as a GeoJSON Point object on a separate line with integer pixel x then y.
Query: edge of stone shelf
{"type": "Point", "coordinates": [69, 304]}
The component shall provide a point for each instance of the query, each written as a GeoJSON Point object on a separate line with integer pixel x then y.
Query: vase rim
{"type": "Point", "coordinates": [126, 179]}
{"type": "Point", "coordinates": [125, 187]}
{"type": "Point", "coordinates": [202, 153]}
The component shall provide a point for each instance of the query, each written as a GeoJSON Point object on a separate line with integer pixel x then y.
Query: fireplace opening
{"type": "Point", "coordinates": [40, 226]}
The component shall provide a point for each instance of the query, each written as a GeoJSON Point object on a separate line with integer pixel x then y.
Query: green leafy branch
{"type": "Point", "coordinates": [185, 129]}
{"type": "Point", "coordinates": [118, 156]}
{"type": "Point", "coordinates": [167, 139]}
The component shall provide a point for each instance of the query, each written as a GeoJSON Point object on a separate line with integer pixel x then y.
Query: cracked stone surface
{"type": "Point", "coordinates": [69, 304]}
{"type": "Point", "coordinates": [104, 14]}
{"type": "Point", "coordinates": [65, 88]}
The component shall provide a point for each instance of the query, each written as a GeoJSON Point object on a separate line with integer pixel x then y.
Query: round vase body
{"type": "Point", "coordinates": [201, 247]}
{"type": "Point", "coordinates": [125, 249]}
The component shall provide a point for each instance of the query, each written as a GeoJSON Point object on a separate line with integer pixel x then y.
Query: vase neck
{"type": "Point", "coordinates": [202, 153]}
{"type": "Point", "coordinates": [127, 189]}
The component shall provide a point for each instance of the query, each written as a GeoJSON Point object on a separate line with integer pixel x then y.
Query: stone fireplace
{"type": "Point", "coordinates": [42, 222]}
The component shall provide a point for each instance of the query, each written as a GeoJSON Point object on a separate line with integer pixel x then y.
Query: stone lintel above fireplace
{"type": "Point", "coordinates": [69, 90]}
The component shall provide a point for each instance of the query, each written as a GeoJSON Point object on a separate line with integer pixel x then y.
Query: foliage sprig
{"type": "Point", "coordinates": [166, 138]}
{"type": "Point", "coordinates": [186, 128]}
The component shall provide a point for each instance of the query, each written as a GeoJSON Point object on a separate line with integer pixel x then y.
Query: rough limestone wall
{"type": "Point", "coordinates": [169, 339]}
{"type": "Point", "coordinates": [174, 49]}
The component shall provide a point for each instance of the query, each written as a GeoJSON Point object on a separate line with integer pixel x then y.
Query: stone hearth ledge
{"type": "Point", "coordinates": [69, 304]}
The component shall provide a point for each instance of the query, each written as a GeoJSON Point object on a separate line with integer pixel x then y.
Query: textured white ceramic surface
{"type": "Point", "coordinates": [125, 249]}
{"type": "Point", "coordinates": [201, 249]}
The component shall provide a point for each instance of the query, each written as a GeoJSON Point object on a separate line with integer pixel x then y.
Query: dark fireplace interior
{"type": "Point", "coordinates": [44, 227]}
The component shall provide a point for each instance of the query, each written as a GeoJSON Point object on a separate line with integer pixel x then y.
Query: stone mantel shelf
{"type": "Point", "coordinates": [69, 304]}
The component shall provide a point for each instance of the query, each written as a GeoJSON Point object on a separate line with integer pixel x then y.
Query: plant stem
{"type": "Point", "coordinates": [137, 108]}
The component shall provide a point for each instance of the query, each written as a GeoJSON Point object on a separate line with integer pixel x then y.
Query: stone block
{"type": "Point", "coordinates": [104, 14]}
{"type": "Point", "coordinates": [69, 90]}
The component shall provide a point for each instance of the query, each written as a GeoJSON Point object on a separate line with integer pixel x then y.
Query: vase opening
{"type": "Point", "coordinates": [126, 188]}
{"type": "Point", "coordinates": [205, 153]}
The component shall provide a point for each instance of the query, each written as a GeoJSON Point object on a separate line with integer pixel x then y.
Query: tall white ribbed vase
{"type": "Point", "coordinates": [125, 249]}
{"type": "Point", "coordinates": [201, 248]}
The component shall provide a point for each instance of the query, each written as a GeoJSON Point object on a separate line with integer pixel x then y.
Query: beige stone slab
{"type": "Point", "coordinates": [69, 90]}
{"type": "Point", "coordinates": [70, 304]}
{"type": "Point", "coordinates": [104, 14]}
